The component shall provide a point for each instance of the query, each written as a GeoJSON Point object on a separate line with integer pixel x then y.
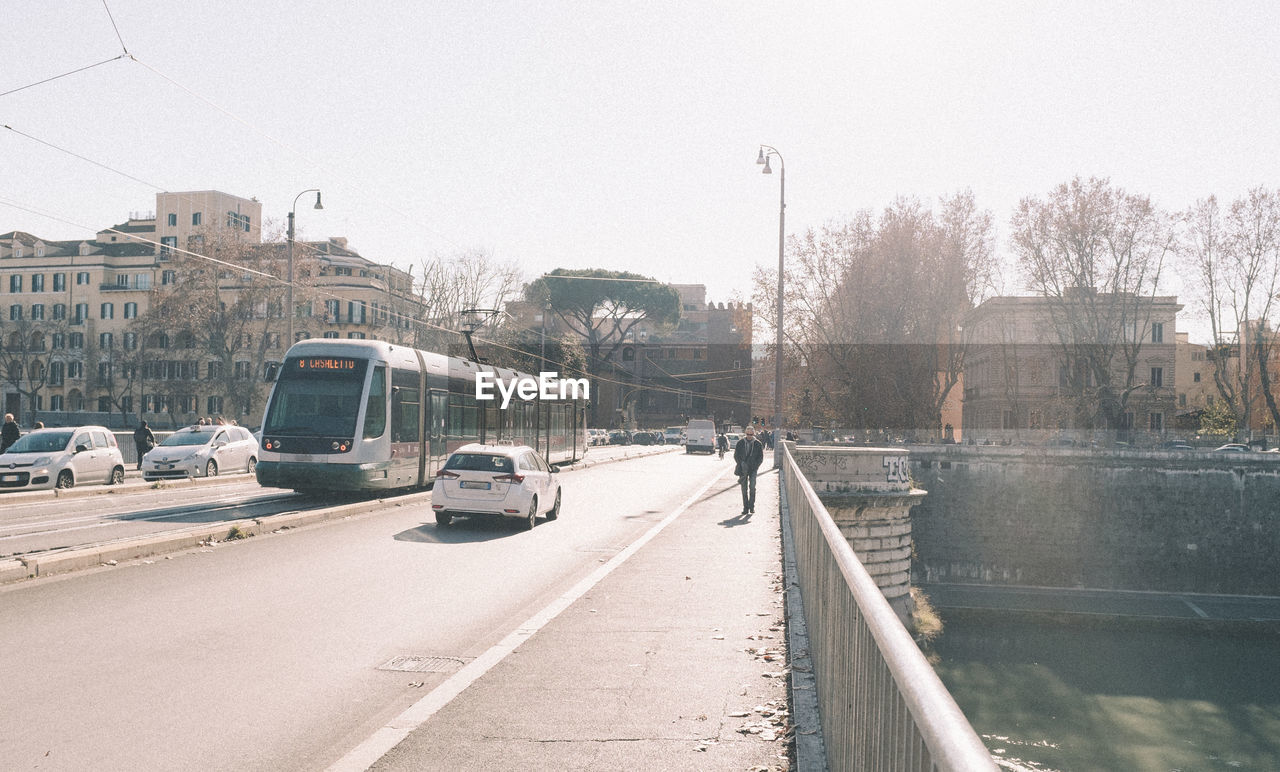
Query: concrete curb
{"type": "Point", "coordinates": [811, 751]}
{"type": "Point", "coordinates": [108, 490]}
{"type": "Point", "coordinates": [158, 544]}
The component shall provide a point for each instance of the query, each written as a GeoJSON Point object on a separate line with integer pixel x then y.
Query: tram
{"type": "Point", "coordinates": [365, 415]}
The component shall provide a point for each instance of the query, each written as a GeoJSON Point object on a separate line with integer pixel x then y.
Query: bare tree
{"type": "Point", "coordinates": [453, 283]}
{"type": "Point", "coordinates": [1237, 261]}
{"type": "Point", "coordinates": [1096, 253]}
{"type": "Point", "coordinates": [875, 309]}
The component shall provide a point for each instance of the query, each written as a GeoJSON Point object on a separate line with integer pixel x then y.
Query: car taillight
{"type": "Point", "coordinates": [445, 474]}
{"type": "Point", "coordinates": [515, 478]}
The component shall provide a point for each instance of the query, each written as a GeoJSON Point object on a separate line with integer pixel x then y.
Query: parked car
{"type": "Point", "coordinates": [673, 435]}
{"type": "Point", "coordinates": [733, 438]}
{"type": "Point", "coordinates": [619, 438]}
{"type": "Point", "coordinates": [1176, 445]}
{"type": "Point", "coordinates": [201, 451]}
{"type": "Point", "coordinates": [496, 480]}
{"type": "Point", "coordinates": [1233, 447]}
{"type": "Point", "coordinates": [61, 458]}
{"type": "Point", "coordinates": [642, 438]}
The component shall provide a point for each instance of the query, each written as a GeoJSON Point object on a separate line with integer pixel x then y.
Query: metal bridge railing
{"type": "Point", "coordinates": [881, 705]}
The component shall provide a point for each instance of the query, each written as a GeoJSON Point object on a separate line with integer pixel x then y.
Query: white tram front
{"type": "Point", "coordinates": [369, 415]}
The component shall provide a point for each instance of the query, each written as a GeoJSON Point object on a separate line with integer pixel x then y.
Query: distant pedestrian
{"type": "Point", "coordinates": [748, 455]}
{"type": "Point", "coordinates": [143, 440]}
{"type": "Point", "coordinates": [10, 433]}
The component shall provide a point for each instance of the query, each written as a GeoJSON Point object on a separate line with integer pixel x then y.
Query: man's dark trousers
{"type": "Point", "coordinates": [748, 484]}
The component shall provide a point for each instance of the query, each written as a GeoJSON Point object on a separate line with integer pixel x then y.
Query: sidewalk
{"type": "Point", "coordinates": [675, 660]}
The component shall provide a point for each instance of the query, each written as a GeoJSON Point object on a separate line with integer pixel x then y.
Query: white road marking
{"type": "Point", "coordinates": [367, 753]}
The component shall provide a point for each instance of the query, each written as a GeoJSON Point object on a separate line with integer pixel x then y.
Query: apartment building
{"type": "Point", "coordinates": [82, 339]}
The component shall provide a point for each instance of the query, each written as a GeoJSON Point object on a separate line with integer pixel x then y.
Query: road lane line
{"type": "Point", "coordinates": [367, 753]}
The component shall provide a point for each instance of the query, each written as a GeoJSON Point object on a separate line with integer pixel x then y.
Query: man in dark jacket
{"type": "Point", "coordinates": [143, 440]}
{"type": "Point", "coordinates": [10, 433]}
{"type": "Point", "coordinates": [749, 454]}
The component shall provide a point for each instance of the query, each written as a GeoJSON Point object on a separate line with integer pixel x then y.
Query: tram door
{"type": "Point", "coordinates": [436, 431]}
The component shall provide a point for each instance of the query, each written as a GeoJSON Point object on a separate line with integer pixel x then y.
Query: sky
{"type": "Point", "coordinates": [622, 135]}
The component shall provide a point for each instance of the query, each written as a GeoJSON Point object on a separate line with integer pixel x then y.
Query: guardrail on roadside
{"type": "Point", "coordinates": [881, 705]}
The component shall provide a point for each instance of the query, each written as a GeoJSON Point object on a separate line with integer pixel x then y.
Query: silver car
{"type": "Point", "coordinates": [201, 451]}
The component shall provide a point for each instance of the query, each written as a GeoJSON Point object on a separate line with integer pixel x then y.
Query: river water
{"type": "Point", "coordinates": [1051, 696]}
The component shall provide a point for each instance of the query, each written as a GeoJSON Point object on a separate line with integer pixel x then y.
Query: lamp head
{"type": "Point", "coordinates": [766, 169]}
{"type": "Point", "coordinates": [318, 204]}
{"type": "Point", "coordinates": [761, 158]}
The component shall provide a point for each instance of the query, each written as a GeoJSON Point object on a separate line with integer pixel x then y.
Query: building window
{"type": "Point", "coordinates": [59, 312]}
{"type": "Point", "coordinates": [104, 340]}
{"type": "Point", "coordinates": [131, 341]}
{"type": "Point", "coordinates": [82, 313]}
{"type": "Point", "coordinates": [130, 310]}
{"type": "Point", "coordinates": [104, 404]}
{"type": "Point", "coordinates": [1157, 422]}
{"type": "Point", "coordinates": [356, 335]}
{"type": "Point", "coordinates": [195, 218]}
{"type": "Point", "coordinates": [57, 372]}
{"type": "Point", "coordinates": [168, 277]}
{"type": "Point", "coordinates": [1195, 377]}
{"type": "Point", "coordinates": [332, 310]}
{"type": "Point", "coordinates": [58, 340]}
{"type": "Point", "coordinates": [40, 251]}
{"type": "Point", "coordinates": [59, 282]}
{"type": "Point", "coordinates": [17, 251]}
{"type": "Point", "coordinates": [107, 311]}
{"type": "Point", "coordinates": [339, 270]}
{"type": "Point", "coordinates": [15, 313]}
{"type": "Point", "coordinates": [142, 281]}
{"type": "Point", "coordinates": [244, 371]}
{"type": "Point", "coordinates": [75, 370]}
{"type": "Point", "coordinates": [331, 334]}
{"type": "Point", "coordinates": [55, 402]}
{"type": "Point", "coordinates": [104, 372]}
{"type": "Point", "coordinates": [168, 244]}
{"type": "Point", "coordinates": [82, 277]}
{"type": "Point", "coordinates": [1157, 332]}
{"type": "Point", "coordinates": [15, 281]}
{"type": "Point", "coordinates": [1157, 377]}
{"type": "Point", "coordinates": [37, 312]}
{"type": "Point", "coordinates": [1182, 400]}
{"type": "Point", "coordinates": [213, 405]}
{"type": "Point", "coordinates": [75, 340]}
{"type": "Point", "coordinates": [37, 283]}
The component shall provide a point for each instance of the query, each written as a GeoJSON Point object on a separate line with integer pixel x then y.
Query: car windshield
{"type": "Point", "coordinates": [179, 439]}
{"type": "Point", "coordinates": [41, 442]}
{"type": "Point", "coordinates": [479, 462]}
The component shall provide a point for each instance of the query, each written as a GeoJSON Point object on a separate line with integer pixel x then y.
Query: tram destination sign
{"type": "Point", "coordinates": [326, 364]}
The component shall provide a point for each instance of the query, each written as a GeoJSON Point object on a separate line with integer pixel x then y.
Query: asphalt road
{"type": "Point", "coordinates": [266, 653]}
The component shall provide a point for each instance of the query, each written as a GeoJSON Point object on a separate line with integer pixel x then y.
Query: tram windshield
{"type": "Point", "coordinates": [314, 400]}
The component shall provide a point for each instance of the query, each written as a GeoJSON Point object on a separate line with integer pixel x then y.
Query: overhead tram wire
{"type": "Point", "coordinates": [119, 37]}
{"type": "Point", "coordinates": [65, 74]}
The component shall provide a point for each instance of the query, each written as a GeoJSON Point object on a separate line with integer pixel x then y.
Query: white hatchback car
{"type": "Point", "coordinates": [503, 480]}
{"type": "Point", "coordinates": [201, 451]}
{"type": "Point", "coordinates": [61, 458]}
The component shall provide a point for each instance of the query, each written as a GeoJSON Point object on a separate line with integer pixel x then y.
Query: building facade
{"type": "Point", "coordinates": [84, 338]}
{"type": "Point", "coordinates": [1030, 376]}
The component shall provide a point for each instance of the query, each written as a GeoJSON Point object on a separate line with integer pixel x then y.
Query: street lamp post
{"type": "Point", "coordinates": [289, 309]}
{"type": "Point", "coordinates": [765, 153]}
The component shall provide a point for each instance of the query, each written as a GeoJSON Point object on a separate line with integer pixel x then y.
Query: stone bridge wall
{"type": "Point", "coordinates": [1177, 522]}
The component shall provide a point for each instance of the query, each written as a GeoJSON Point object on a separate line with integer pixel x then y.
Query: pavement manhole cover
{"type": "Point", "coordinates": [415, 664]}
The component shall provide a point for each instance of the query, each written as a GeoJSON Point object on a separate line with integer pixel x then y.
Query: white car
{"type": "Point", "coordinates": [502, 480]}
{"type": "Point", "coordinates": [61, 458]}
{"type": "Point", "coordinates": [201, 451]}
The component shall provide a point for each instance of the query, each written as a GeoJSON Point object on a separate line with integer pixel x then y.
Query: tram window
{"type": "Point", "coordinates": [405, 407]}
{"type": "Point", "coordinates": [375, 412]}
{"type": "Point", "coordinates": [492, 428]}
{"type": "Point", "coordinates": [462, 416]}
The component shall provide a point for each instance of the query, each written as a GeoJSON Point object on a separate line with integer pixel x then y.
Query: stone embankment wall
{"type": "Point", "coordinates": [1176, 522]}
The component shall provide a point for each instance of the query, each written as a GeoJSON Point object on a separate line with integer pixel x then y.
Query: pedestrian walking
{"type": "Point", "coordinates": [748, 456]}
{"type": "Point", "coordinates": [10, 433]}
{"type": "Point", "coordinates": [143, 440]}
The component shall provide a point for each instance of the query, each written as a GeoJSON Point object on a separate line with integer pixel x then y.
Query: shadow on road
{"type": "Point", "coordinates": [464, 530]}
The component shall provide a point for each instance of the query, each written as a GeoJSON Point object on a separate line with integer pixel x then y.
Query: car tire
{"type": "Point", "coordinates": [554, 512]}
{"type": "Point", "coordinates": [253, 465]}
{"type": "Point", "coordinates": [65, 479]}
{"type": "Point", "coordinates": [443, 519]}
{"type": "Point", "coordinates": [117, 476]}
{"type": "Point", "coordinates": [211, 469]}
{"type": "Point", "coordinates": [531, 519]}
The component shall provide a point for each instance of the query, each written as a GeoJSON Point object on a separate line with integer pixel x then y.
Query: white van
{"type": "Point", "coordinates": [700, 434]}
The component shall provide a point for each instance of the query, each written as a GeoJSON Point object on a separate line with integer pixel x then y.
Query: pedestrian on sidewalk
{"type": "Point", "coordinates": [143, 440]}
{"type": "Point", "coordinates": [748, 456]}
{"type": "Point", "coordinates": [10, 433]}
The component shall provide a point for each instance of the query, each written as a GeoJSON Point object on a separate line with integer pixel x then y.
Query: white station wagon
{"type": "Point", "coordinates": [502, 480]}
{"type": "Point", "coordinates": [201, 451]}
